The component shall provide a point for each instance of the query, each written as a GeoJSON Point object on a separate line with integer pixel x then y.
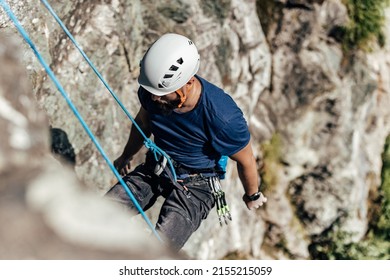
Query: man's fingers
{"type": "Point", "coordinates": [125, 169]}
{"type": "Point", "coordinates": [128, 167]}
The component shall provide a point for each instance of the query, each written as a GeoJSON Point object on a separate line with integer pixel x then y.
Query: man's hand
{"type": "Point", "coordinates": [254, 204]}
{"type": "Point", "coordinates": [123, 165]}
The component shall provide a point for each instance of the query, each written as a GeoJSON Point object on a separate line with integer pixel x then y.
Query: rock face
{"type": "Point", "coordinates": [324, 116]}
{"type": "Point", "coordinates": [43, 210]}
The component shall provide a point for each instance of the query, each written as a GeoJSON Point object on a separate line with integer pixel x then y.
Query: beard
{"type": "Point", "coordinates": [167, 107]}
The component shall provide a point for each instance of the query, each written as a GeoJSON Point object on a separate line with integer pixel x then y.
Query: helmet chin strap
{"type": "Point", "coordinates": [183, 97]}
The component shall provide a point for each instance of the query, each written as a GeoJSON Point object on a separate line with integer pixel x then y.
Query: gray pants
{"type": "Point", "coordinates": [180, 215]}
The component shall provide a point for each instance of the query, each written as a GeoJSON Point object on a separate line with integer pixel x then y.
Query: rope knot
{"type": "Point", "coordinates": [149, 144]}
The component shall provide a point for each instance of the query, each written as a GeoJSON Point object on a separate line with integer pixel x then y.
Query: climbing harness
{"type": "Point", "coordinates": [50, 73]}
{"type": "Point", "coordinates": [213, 177]}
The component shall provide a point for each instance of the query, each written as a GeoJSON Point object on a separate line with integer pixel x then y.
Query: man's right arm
{"type": "Point", "coordinates": [134, 143]}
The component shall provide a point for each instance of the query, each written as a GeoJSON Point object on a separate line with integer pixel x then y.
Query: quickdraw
{"type": "Point", "coordinates": [223, 210]}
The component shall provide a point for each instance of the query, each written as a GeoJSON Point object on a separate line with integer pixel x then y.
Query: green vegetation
{"type": "Point", "coordinates": [383, 226]}
{"type": "Point", "coordinates": [366, 24]}
{"type": "Point", "coordinates": [376, 244]}
{"type": "Point", "coordinates": [333, 246]}
{"type": "Point", "coordinates": [272, 154]}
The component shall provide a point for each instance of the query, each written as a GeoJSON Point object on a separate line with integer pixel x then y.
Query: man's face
{"type": "Point", "coordinates": [167, 103]}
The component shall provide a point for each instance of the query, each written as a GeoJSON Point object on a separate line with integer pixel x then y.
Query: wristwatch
{"type": "Point", "coordinates": [254, 196]}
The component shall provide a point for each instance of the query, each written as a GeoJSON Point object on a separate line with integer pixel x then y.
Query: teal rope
{"type": "Point", "coordinates": [148, 142]}
{"type": "Point", "coordinates": [75, 111]}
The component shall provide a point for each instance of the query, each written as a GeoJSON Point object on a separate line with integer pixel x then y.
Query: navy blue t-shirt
{"type": "Point", "coordinates": [197, 139]}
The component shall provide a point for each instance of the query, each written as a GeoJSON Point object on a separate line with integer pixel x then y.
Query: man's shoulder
{"type": "Point", "coordinates": [216, 99]}
{"type": "Point", "coordinates": [209, 86]}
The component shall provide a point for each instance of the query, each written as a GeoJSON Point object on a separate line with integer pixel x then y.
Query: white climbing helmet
{"type": "Point", "coordinates": [168, 64]}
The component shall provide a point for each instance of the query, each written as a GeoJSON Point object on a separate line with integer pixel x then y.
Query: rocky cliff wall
{"type": "Point", "coordinates": [44, 210]}
{"type": "Point", "coordinates": [318, 118]}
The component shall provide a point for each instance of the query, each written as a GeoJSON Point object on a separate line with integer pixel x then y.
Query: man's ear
{"type": "Point", "coordinates": [191, 82]}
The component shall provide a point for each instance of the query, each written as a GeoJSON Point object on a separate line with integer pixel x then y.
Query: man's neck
{"type": "Point", "coordinates": [193, 97]}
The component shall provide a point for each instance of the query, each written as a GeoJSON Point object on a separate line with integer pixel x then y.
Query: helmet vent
{"type": "Point", "coordinates": [180, 60]}
{"type": "Point", "coordinates": [167, 76]}
{"type": "Point", "coordinates": [173, 68]}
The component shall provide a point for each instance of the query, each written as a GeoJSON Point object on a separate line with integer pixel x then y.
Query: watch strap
{"type": "Point", "coordinates": [254, 196]}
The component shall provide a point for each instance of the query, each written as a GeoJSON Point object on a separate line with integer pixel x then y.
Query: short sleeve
{"type": "Point", "coordinates": [232, 137]}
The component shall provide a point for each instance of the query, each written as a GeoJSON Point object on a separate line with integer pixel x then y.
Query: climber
{"type": "Point", "coordinates": [195, 123]}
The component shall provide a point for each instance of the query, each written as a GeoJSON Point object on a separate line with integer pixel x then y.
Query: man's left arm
{"type": "Point", "coordinates": [247, 171]}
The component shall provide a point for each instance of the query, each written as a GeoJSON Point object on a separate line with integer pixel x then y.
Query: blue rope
{"type": "Point", "coordinates": [75, 111]}
{"type": "Point", "coordinates": [148, 142]}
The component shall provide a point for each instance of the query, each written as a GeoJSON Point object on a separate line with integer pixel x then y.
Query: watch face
{"type": "Point", "coordinates": [254, 197]}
